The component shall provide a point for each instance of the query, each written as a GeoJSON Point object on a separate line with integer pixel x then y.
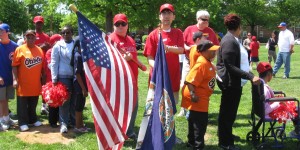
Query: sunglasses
{"type": "Point", "coordinates": [248, 35]}
{"type": "Point", "coordinates": [204, 19]}
{"type": "Point", "coordinates": [120, 23]}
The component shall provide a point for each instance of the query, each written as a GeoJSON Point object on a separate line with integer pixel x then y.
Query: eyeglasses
{"type": "Point", "coordinates": [65, 32]}
{"type": "Point", "coordinates": [204, 19]}
{"type": "Point", "coordinates": [248, 35]}
{"type": "Point", "coordinates": [120, 23]}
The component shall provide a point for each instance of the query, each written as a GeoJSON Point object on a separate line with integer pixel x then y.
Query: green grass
{"type": "Point", "coordinates": [88, 141]}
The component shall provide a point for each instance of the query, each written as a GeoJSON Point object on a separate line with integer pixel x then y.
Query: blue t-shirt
{"type": "Point", "coordinates": [78, 68]}
{"type": "Point", "coordinates": [6, 55]}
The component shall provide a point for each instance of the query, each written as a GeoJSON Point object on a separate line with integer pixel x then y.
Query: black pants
{"type": "Point", "coordinates": [26, 109]}
{"type": "Point", "coordinates": [230, 100]}
{"type": "Point", "coordinates": [197, 127]}
{"type": "Point", "coordinates": [53, 115]}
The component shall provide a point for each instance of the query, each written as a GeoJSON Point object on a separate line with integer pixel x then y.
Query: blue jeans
{"type": "Point", "coordinates": [283, 57]}
{"type": "Point", "coordinates": [67, 110]}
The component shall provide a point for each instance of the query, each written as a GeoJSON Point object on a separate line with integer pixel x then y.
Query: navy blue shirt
{"type": "Point", "coordinates": [6, 55]}
{"type": "Point", "coordinates": [78, 68]}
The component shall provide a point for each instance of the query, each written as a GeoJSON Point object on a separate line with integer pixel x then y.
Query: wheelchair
{"type": "Point", "coordinates": [274, 131]}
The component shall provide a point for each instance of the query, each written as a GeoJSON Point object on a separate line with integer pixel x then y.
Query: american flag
{"type": "Point", "coordinates": [110, 83]}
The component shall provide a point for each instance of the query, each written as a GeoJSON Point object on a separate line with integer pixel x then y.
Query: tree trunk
{"type": "Point", "coordinates": [109, 20]}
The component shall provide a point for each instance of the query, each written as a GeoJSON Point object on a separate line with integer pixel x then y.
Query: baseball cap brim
{"type": "Point", "coordinates": [214, 48]}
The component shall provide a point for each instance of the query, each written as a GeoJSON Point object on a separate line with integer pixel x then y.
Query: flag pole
{"type": "Point", "coordinates": [73, 8]}
{"type": "Point", "coordinates": [140, 64]}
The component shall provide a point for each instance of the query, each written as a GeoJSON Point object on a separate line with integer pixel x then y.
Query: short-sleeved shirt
{"type": "Point", "coordinates": [6, 55]}
{"type": "Point", "coordinates": [254, 46]}
{"type": "Point", "coordinates": [202, 76]}
{"type": "Point", "coordinates": [193, 56]}
{"type": "Point", "coordinates": [29, 62]}
{"type": "Point", "coordinates": [128, 44]}
{"type": "Point", "coordinates": [78, 69]}
{"type": "Point", "coordinates": [174, 37]}
{"type": "Point", "coordinates": [41, 38]}
{"type": "Point", "coordinates": [285, 40]}
{"type": "Point", "coordinates": [189, 32]}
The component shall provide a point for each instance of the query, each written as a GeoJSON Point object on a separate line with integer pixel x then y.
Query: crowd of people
{"type": "Point", "coordinates": [40, 59]}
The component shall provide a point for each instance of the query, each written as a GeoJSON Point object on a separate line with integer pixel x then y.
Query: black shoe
{"type": "Point", "coordinates": [189, 144]}
{"type": "Point", "coordinates": [54, 125]}
{"type": "Point", "coordinates": [229, 147]}
{"type": "Point", "coordinates": [44, 112]}
{"type": "Point", "coordinates": [132, 136]}
{"type": "Point", "coordinates": [235, 137]}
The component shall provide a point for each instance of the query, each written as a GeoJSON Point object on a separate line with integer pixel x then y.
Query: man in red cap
{"type": "Point", "coordinates": [42, 40]}
{"type": "Point", "coordinates": [285, 49]}
{"type": "Point", "coordinates": [173, 42]}
{"type": "Point", "coordinates": [127, 44]}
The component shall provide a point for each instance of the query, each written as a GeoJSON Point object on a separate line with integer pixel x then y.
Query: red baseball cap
{"type": "Point", "coordinates": [166, 6]}
{"type": "Point", "coordinates": [120, 17]}
{"type": "Point", "coordinates": [263, 66]}
{"type": "Point", "coordinates": [38, 19]}
{"type": "Point", "coordinates": [54, 38]}
{"type": "Point", "coordinates": [253, 38]}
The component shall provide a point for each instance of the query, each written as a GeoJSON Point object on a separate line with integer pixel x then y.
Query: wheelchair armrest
{"type": "Point", "coordinates": [281, 99]}
{"type": "Point", "coordinates": [278, 92]}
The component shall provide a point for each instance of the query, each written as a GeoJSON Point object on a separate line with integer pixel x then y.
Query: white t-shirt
{"type": "Point", "coordinates": [285, 39]}
{"type": "Point", "coordinates": [244, 64]}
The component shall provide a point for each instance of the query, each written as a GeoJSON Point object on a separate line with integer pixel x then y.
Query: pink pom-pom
{"type": "Point", "coordinates": [286, 111]}
{"type": "Point", "coordinates": [56, 95]}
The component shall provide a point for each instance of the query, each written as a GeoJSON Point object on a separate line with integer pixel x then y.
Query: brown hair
{"type": "Point", "coordinates": [232, 21]}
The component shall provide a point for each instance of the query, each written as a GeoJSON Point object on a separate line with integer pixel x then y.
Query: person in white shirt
{"type": "Point", "coordinates": [286, 48]}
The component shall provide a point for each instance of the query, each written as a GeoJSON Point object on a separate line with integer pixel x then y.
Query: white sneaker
{"type": "Point", "coordinates": [5, 126]}
{"type": "Point", "coordinates": [37, 124]}
{"type": "Point", "coordinates": [181, 113]}
{"type": "Point", "coordinates": [63, 129]}
{"type": "Point", "coordinates": [12, 122]}
{"type": "Point", "coordinates": [24, 128]}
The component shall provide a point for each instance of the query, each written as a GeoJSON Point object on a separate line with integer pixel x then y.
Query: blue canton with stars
{"type": "Point", "coordinates": [92, 43]}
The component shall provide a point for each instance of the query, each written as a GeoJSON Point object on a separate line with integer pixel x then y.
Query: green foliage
{"type": "Point", "coordinates": [14, 13]}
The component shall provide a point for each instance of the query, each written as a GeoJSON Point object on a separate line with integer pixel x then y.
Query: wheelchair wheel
{"type": "Point", "coordinates": [253, 136]}
{"type": "Point", "coordinates": [280, 133]}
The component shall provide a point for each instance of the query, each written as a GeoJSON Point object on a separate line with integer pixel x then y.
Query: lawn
{"type": "Point", "coordinates": [9, 140]}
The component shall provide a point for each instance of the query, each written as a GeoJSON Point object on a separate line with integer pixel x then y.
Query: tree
{"type": "Point", "coordinates": [252, 12]}
{"type": "Point", "coordinates": [14, 13]}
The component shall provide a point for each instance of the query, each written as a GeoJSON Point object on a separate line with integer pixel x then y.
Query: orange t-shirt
{"type": "Point", "coordinates": [193, 56]}
{"type": "Point", "coordinates": [29, 62]}
{"type": "Point", "coordinates": [202, 76]}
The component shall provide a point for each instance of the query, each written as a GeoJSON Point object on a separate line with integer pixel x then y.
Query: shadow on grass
{"type": "Point", "coordinates": [213, 119]}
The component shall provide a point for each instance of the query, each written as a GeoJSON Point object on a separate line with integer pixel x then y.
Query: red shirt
{"type": "Point", "coordinates": [172, 38]}
{"type": "Point", "coordinates": [128, 44]}
{"type": "Point", "coordinates": [46, 63]}
{"type": "Point", "coordinates": [42, 38]}
{"type": "Point", "coordinates": [254, 46]}
{"type": "Point", "coordinates": [189, 32]}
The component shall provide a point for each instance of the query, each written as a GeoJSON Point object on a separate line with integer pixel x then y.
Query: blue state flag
{"type": "Point", "coordinates": [160, 133]}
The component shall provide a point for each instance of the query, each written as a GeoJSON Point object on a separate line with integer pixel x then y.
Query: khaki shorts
{"type": "Point", "coordinates": [7, 93]}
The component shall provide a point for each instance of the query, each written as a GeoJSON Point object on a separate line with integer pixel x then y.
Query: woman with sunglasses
{"type": "Point", "coordinates": [61, 70]}
{"type": "Point", "coordinates": [202, 18]}
{"type": "Point", "coordinates": [127, 44]}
